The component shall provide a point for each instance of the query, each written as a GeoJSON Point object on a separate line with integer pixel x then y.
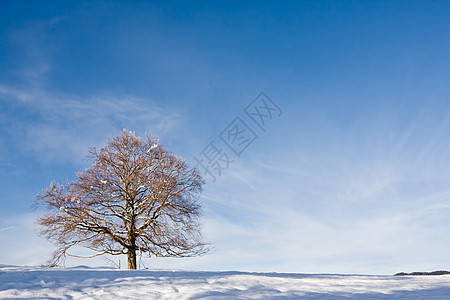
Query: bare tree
{"type": "Point", "coordinates": [137, 197]}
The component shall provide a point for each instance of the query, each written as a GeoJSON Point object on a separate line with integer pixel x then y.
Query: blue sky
{"type": "Point", "coordinates": [353, 177]}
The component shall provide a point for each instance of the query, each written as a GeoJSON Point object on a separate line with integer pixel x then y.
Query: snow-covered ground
{"type": "Point", "coordinates": [104, 283]}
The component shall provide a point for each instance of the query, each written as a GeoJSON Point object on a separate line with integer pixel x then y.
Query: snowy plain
{"type": "Point", "coordinates": [106, 283]}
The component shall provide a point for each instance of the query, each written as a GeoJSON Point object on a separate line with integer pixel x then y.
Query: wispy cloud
{"type": "Point", "coordinates": [366, 198]}
{"type": "Point", "coordinates": [58, 126]}
{"type": "Point", "coordinates": [7, 228]}
{"type": "Point", "coordinates": [11, 93]}
{"type": "Point", "coordinates": [63, 128]}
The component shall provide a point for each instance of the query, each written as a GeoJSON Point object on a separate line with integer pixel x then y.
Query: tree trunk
{"type": "Point", "coordinates": [131, 239]}
{"type": "Point", "coordinates": [131, 259]}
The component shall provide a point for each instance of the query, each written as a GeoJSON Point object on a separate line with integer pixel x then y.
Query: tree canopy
{"type": "Point", "coordinates": [136, 198]}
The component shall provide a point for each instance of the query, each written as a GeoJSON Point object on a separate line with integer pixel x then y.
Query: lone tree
{"type": "Point", "coordinates": [136, 198]}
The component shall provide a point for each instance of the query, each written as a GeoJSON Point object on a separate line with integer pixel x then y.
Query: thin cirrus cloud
{"type": "Point", "coordinates": [64, 128]}
{"type": "Point", "coordinates": [382, 199]}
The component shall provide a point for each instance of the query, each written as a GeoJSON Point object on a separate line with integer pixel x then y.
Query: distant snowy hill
{"type": "Point", "coordinates": [104, 283]}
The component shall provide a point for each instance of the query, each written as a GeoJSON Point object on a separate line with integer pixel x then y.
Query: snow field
{"type": "Point", "coordinates": [105, 283]}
